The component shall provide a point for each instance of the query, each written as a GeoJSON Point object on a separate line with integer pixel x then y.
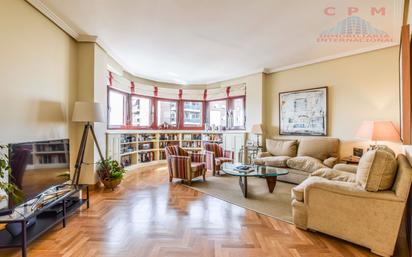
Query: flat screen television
{"type": "Point", "coordinates": [37, 166]}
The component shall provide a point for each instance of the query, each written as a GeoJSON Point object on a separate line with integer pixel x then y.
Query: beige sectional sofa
{"type": "Point", "coordinates": [300, 157]}
{"type": "Point", "coordinates": [363, 204]}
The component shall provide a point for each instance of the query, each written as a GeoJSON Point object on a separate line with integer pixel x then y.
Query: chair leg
{"type": "Point", "coordinates": [170, 179]}
{"type": "Point", "coordinates": [214, 173]}
{"type": "Point", "coordinates": [204, 176]}
{"type": "Point", "coordinates": [189, 182]}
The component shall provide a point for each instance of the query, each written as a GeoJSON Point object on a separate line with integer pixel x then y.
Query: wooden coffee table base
{"type": "Point", "coordinates": [271, 181]}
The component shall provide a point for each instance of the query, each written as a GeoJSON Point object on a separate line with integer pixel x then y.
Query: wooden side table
{"type": "Point", "coordinates": [351, 160]}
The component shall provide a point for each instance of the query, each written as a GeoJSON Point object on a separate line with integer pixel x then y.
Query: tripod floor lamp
{"type": "Point", "coordinates": [87, 113]}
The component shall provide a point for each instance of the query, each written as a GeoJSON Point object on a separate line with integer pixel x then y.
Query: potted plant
{"type": "Point", "coordinates": [6, 186]}
{"type": "Point", "coordinates": [110, 173]}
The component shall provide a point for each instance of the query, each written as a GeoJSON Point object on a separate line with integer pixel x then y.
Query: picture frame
{"type": "Point", "coordinates": [304, 112]}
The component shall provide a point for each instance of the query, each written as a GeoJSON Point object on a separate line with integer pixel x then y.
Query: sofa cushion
{"type": "Point", "coordinates": [259, 161]}
{"type": "Point", "coordinates": [335, 175]}
{"type": "Point", "coordinates": [330, 162]}
{"type": "Point", "coordinates": [276, 161]}
{"type": "Point", "coordinates": [376, 170]}
{"type": "Point", "coordinates": [279, 147]}
{"type": "Point", "coordinates": [305, 163]}
{"type": "Point", "coordinates": [319, 148]}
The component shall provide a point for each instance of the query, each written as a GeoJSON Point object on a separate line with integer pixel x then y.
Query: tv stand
{"type": "Point", "coordinates": [27, 211]}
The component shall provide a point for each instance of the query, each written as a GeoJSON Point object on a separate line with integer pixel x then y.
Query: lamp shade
{"type": "Point", "coordinates": [257, 129]}
{"type": "Point", "coordinates": [378, 131]}
{"type": "Point", "coordinates": [88, 112]}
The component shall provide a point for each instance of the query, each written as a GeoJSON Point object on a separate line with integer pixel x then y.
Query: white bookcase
{"type": "Point", "coordinates": [132, 148]}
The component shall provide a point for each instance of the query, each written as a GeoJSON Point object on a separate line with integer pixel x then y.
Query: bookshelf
{"type": "Point", "coordinates": [134, 148]}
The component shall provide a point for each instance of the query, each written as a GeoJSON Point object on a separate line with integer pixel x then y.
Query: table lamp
{"type": "Point", "coordinates": [257, 130]}
{"type": "Point", "coordinates": [378, 131]}
{"type": "Point", "coordinates": [87, 113]}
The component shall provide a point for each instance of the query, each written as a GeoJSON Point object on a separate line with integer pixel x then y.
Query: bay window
{"type": "Point", "coordinates": [132, 111]}
{"type": "Point", "coordinates": [166, 113]}
{"type": "Point", "coordinates": [141, 111]}
{"type": "Point", "coordinates": [192, 114]}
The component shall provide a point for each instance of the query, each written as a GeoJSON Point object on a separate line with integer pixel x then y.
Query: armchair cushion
{"type": "Point", "coordinates": [220, 160]}
{"type": "Point", "coordinates": [346, 167]}
{"type": "Point", "coordinates": [336, 175]}
{"type": "Point", "coordinates": [377, 170]}
{"type": "Point", "coordinates": [305, 163]}
{"type": "Point", "coordinates": [280, 147]}
{"type": "Point", "coordinates": [197, 166]}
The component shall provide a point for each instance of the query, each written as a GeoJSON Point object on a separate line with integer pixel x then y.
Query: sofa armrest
{"type": "Point", "coordinates": [346, 189]}
{"type": "Point", "coordinates": [210, 160]}
{"type": "Point", "coordinates": [346, 167]}
{"type": "Point", "coordinates": [263, 155]}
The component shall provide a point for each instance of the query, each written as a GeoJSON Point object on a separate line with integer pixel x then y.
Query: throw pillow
{"type": "Point", "coordinates": [305, 163]}
{"type": "Point", "coordinates": [280, 147]}
{"type": "Point", "coordinates": [376, 170]}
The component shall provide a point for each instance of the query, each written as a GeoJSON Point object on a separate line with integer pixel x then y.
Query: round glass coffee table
{"type": "Point", "coordinates": [269, 173]}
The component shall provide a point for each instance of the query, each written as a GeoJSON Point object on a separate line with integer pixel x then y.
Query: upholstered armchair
{"type": "Point", "coordinates": [184, 165]}
{"type": "Point", "coordinates": [215, 156]}
{"type": "Point", "coordinates": [363, 205]}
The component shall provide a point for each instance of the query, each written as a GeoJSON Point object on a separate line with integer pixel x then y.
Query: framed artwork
{"type": "Point", "coordinates": [405, 86]}
{"type": "Point", "coordinates": [304, 112]}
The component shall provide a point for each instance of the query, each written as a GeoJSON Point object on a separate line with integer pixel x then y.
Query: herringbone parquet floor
{"type": "Point", "coordinates": [148, 217]}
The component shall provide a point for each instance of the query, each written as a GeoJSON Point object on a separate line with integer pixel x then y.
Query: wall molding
{"type": "Point", "coordinates": [333, 57]}
{"type": "Point", "coordinates": [40, 6]}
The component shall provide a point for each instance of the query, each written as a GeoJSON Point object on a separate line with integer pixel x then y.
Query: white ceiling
{"type": "Point", "coordinates": [204, 41]}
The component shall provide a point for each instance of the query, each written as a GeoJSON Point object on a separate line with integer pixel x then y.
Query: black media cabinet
{"type": "Point", "coordinates": [47, 217]}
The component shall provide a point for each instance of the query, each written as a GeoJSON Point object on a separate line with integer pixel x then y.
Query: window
{"type": "Point", "coordinates": [117, 108]}
{"type": "Point", "coordinates": [166, 113]}
{"type": "Point", "coordinates": [192, 114]}
{"type": "Point", "coordinates": [141, 111]}
{"type": "Point", "coordinates": [238, 113]}
{"type": "Point", "coordinates": [217, 113]}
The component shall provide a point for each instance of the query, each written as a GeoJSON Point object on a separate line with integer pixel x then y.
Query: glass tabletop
{"type": "Point", "coordinates": [254, 171]}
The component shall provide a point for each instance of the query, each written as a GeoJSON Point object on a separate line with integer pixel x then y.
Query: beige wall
{"type": "Point", "coordinates": [37, 75]}
{"type": "Point", "coordinates": [361, 87]}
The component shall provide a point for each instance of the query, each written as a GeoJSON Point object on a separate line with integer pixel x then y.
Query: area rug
{"type": "Point", "coordinates": [276, 204]}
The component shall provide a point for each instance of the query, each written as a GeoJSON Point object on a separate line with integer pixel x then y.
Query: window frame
{"type": "Point", "coordinates": [231, 101]}
{"type": "Point", "coordinates": [125, 109]}
{"type": "Point", "coordinates": [152, 110]}
{"type": "Point", "coordinates": [208, 109]}
{"type": "Point", "coordinates": [157, 100]}
{"type": "Point", "coordinates": [182, 116]}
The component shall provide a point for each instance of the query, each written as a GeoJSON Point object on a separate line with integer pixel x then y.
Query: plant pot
{"type": "Point", "coordinates": [111, 183]}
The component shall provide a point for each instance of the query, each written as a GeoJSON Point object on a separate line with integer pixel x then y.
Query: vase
{"type": "Point", "coordinates": [111, 183]}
